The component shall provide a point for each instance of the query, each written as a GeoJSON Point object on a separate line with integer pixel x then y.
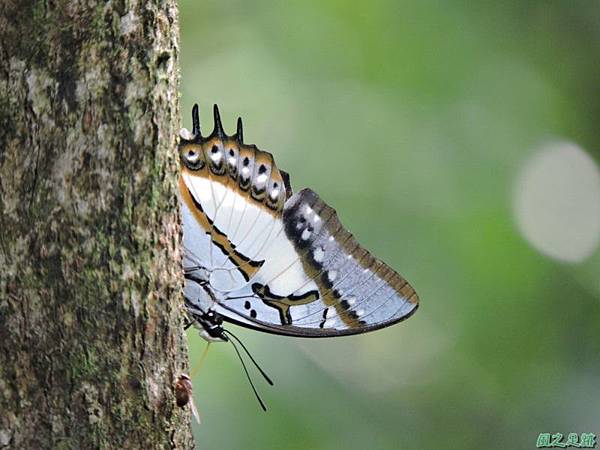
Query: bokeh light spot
{"type": "Point", "coordinates": [557, 202]}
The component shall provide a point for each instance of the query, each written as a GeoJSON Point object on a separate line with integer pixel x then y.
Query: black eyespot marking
{"type": "Point", "coordinates": [215, 149]}
{"type": "Point", "coordinates": [337, 294]}
{"type": "Point", "coordinates": [247, 304]}
{"type": "Point", "coordinates": [275, 185]}
{"type": "Point", "coordinates": [246, 161]}
{"type": "Point", "coordinates": [345, 304]}
{"type": "Point", "coordinates": [231, 152]}
{"type": "Point", "coordinates": [262, 169]}
{"type": "Point", "coordinates": [198, 162]}
{"type": "Point", "coordinates": [253, 314]}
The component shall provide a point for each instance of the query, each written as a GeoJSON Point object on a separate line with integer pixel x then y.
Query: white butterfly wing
{"type": "Point", "coordinates": [274, 261]}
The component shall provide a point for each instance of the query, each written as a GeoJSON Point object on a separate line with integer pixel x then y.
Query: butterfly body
{"type": "Point", "coordinates": [261, 256]}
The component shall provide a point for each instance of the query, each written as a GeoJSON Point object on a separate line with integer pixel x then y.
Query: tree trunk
{"type": "Point", "coordinates": [91, 332]}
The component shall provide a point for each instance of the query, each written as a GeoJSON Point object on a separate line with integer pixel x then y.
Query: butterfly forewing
{"type": "Point", "coordinates": [274, 261]}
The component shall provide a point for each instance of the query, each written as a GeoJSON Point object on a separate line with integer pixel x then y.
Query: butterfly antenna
{"type": "Point", "coordinates": [262, 372]}
{"type": "Point", "coordinates": [262, 404]}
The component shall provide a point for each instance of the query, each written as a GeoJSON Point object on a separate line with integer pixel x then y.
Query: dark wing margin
{"type": "Point", "coordinates": [293, 331]}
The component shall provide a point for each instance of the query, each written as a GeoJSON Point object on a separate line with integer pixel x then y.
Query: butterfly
{"type": "Point", "coordinates": [259, 255]}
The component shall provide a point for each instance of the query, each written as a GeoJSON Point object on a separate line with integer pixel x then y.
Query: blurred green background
{"type": "Point", "coordinates": [417, 121]}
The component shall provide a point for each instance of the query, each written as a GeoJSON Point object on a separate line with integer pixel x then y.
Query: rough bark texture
{"type": "Point", "coordinates": [91, 338]}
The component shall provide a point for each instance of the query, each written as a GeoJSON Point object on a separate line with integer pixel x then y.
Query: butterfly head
{"type": "Point", "coordinates": [211, 324]}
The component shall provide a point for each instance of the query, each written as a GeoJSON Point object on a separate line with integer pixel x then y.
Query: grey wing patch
{"type": "Point", "coordinates": [356, 290]}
